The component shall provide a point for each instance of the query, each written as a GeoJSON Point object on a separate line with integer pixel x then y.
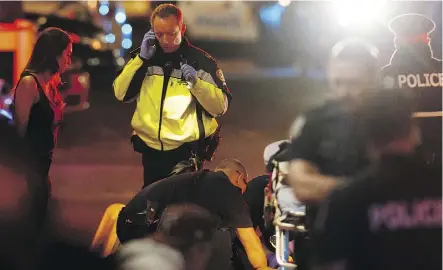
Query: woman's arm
{"type": "Point", "coordinates": [26, 95]}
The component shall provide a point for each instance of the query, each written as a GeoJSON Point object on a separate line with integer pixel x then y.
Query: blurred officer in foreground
{"type": "Point", "coordinates": [391, 217]}
{"type": "Point", "coordinates": [414, 69]}
{"type": "Point", "coordinates": [184, 242]}
{"type": "Point", "coordinates": [327, 143]}
{"type": "Point", "coordinates": [218, 191]}
{"type": "Point", "coordinates": [179, 90]}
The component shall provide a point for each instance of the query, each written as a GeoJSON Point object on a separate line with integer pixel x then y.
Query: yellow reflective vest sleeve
{"type": "Point", "coordinates": [123, 81]}
{"type": "Point", "coordinates": [209, 91]}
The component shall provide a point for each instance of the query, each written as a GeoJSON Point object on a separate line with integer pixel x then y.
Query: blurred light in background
{"type": "Point", "coordinates": [120, 61]}
{"type": "Point", "coordinates": [284, 3]}
{"type": "Point", "coordinates": [93, 61]}
{"type": "Point", "coordinates": [271, 15]}
{"type": "Point", "coordinates": [110, 38]}
{"type": "Point", "coordinates": [126, 29]}
{"type": "Point", "coordinates": [103, 10]}
{"type": "Point", "coordinates": [120, 17]}
{"type": "Point", "coordinates": [7, 101]}
{"type": "Point", "coordinates": [6, 114]}
{"type": "Point", "coordinates": [92, 5]}
{"type": "Point", "coordinates": [96, 44]}
{"type": "Point", "coordinates": [42, 20]}
{"type": "Point", "coordinates": [126, 43]}
{"type": "Point", "coordinates": [359, 14]}
{"type": "Point", "coordinates": [116, 52]}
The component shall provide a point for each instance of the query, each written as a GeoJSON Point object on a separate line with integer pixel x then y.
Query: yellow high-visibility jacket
{"type": "Point", "coordinates": [165, 116]}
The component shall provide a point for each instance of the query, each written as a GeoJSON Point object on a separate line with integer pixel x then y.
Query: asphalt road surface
{"type": "Point", "coordinates": [95, 165]}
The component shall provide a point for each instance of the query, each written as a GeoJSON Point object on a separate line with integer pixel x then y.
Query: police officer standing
{"type": "Point", "coordinates": [179, 89]}
{"type": "Point", "coordinates": [414, 69]}
{"type": "Point", "coordinates": [391, 217]}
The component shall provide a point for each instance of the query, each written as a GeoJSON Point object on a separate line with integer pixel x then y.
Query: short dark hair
{"type": "Point", "coordinates": [357, 51]}
{"type": "Point", "coordinates": [232, 164]}
{"type": "Point", "coordinates": [185, 225]}
{"type": "Point", "coordinates": [387, 116]}
{"type": "Point", "coordinates": [166, 10]}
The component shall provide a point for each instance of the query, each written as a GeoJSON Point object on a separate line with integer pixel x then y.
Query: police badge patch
{"type": "Point", "coordinates": [220, 76]}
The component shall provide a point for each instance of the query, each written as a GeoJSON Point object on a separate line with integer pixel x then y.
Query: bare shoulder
{"type": "Point", "coordinates": [28, 82]}
{"type": "Point", "coordinates": [27, 85]}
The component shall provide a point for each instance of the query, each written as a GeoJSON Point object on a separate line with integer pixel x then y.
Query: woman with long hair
{"type": "Point", "coordinates": [38, 109]}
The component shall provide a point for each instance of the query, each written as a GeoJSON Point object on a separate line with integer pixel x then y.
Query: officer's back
{"type": "Point", "coordinates": [404, 215]}
{"type": "Point", "coordinates": [213, 191]}
{"type": "Point", "coordinates": [389, 218]}
{"type": "Point", "coordinates": [415, 70]}
{"type": "Point", "coordinates": [412, 66]}
{"type": "Point", "coordinates": [339, 149]}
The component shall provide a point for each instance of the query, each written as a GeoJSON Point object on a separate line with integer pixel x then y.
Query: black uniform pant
{"type": "Point", "coordinates": [159, 164]}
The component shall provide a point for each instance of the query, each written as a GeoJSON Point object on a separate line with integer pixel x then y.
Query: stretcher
{"type": "Point", "coordinates": [283, 211]}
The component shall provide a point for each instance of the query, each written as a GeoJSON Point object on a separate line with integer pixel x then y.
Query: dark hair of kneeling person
{"type": "Point", "coordinates": [182, 242]}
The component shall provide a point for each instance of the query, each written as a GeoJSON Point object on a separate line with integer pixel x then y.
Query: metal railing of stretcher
{"type": "Point", "coordinates": [284, 223]}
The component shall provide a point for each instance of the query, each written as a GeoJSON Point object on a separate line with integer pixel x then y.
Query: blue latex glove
{"type": "Point", "coordinates": [272, 260]}
{"type": "Point", "coordinates": [146, 51]}
{"type": "Point", "coordinates": [189, 73]}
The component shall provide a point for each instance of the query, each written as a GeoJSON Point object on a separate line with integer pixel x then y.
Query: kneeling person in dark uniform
{"type": "Point", "coordinates": [389, 218]}
{"type": "Point", "coordinates": [219, 191]}
{"type": "Point", "coordinates": [414, 69]}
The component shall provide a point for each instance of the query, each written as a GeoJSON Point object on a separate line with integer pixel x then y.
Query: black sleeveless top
{"type": "Point", "coordinates": [43, 124]}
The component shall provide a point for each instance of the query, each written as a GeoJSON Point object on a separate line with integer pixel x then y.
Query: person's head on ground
{"type": "Point", "coordinates": [183, 242]}
{"type": "Point", "coordinates": [189, 228]}
{"type": "Point", "coordinates": [51, 55]}
{"type": "Point", "coordinates": [387, 117]}
{"type": "Point", "coordinates": [168, 26]}
{"type": "Point", "coordinates": [236, 172]}
{"type": "Point", "coordinates": [353, 69]}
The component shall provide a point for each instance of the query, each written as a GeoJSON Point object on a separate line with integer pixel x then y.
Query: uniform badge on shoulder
{"type": "Point", "coordinates": [220, 75]}
{"type": "Point", "coordinates": [388, 82]}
